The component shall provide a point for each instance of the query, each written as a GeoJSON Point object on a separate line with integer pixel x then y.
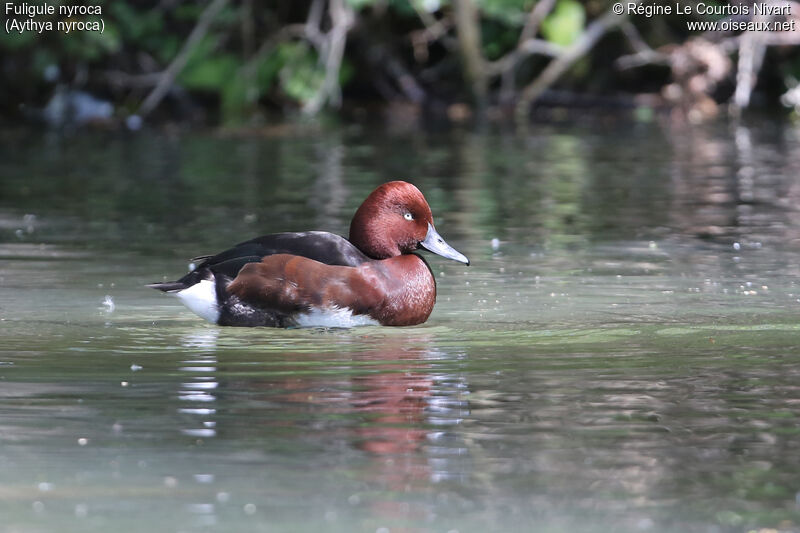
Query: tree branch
{"type": "Point", "coordinates": [644, 54]}
{"type": "Point", "coordinates": [558, 66]}
{"type": "Point", "coordinates": [421, 39]}
{"type": "Point", "coordinates": [524, 49]}
{"type": "Point", "coordinates": [469, 41]}
{"type": "Point", "coordinates": [535, 18]}
{"type": "Point", "coordinates": [176, 66]}
{"type": "Point", "coordinates": [342, 19]}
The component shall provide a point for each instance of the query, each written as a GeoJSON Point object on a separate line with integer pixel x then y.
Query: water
{"type": "Point", "coordinates": [622, 355]}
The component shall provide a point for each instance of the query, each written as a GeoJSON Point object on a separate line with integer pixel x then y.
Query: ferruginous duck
{"type": "Point", "coordinates": [316, 278]}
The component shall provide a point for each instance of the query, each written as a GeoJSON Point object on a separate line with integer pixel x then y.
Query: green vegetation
{"type": "Point", "coordinates": [232, 61]}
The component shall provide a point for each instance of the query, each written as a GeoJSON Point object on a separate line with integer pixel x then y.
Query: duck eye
{"type": "Point", "coordinates": [408, 216]}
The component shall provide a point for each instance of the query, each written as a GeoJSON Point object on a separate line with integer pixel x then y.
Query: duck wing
{"type": "Point", "coordinates": [327, 248]}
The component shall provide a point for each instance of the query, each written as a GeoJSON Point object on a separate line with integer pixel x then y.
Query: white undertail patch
{"type": "Point", "coordinates": [201, 299]}
{"type": "Point", "coordinates": [333, 317]}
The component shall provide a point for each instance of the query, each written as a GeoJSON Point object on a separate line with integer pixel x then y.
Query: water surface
{"type": "Point", "coordinates": [622, 355]}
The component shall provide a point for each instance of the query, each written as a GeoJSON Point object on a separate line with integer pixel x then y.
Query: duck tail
{"type": "Point", "coordinates": [168, 286]}
{"type": "Point", "coordinates": [192, 278]}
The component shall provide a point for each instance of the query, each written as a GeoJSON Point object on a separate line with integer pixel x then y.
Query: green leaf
{"type": "Point", "coordinates": [565, 24]}
{"type": "Point", "coordinates": [267, 70]}
{"type": "Point", "coordinates": [212, 74]}
{"type": "Point", "coordinates": [358, 5]}
{"type": "Point", "coordinates": [17, 41]}
{"type": "Point", "coordinates": [136, 24]}
{"type": "Point", "coordinates": [510, 12]}
{"type": "Point", "coordinates": [234, 99]}
{"type": "Point", "coordinates": [301, 76]}
{"type": "Point", "coordinates": [208, 68]}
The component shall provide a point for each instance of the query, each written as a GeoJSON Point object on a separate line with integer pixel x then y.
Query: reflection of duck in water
{"type": "Point", "coordinates": [317, 278]}
{"type": "Point", "coordinates": [395, 399]}
{"type": "Point", "coordinates": [392, 399]}
{"type": "Point", "coordinates": [398, 405]}
{"type": "Point", "coordinates": [404, 421]}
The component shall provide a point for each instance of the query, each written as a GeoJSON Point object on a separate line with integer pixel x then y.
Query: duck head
{"type": "Point", "coordinates": [396, 219]}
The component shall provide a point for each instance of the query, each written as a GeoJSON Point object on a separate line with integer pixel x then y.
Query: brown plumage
{"type": "Point", "coordinates": [400, 291]}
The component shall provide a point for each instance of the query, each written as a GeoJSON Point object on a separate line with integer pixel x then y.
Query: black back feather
{"type": "Point", "coordinates": [320, 246]}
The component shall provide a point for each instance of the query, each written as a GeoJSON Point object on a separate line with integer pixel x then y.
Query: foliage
{"type": "Point", "coordinates": [509, 12]}
{"type": "Point", "coordinates": [565, 23]}
{"type": "Point", "coordinates": [300, 76]}
{"type": "Point", "coordinates": [271, 55]}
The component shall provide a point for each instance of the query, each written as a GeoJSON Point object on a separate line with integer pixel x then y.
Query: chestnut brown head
{"type": "Point", "coordinates": [396, 219]}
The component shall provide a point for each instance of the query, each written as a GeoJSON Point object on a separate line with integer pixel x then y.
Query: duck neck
{"type": "Point", "coordinates": [368, 235]}
{"type": "Point", "coordinates": [409, 289]}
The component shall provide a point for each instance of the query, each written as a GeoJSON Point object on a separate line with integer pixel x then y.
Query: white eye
{"type": "Point", "coordinates": [408, 216]}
